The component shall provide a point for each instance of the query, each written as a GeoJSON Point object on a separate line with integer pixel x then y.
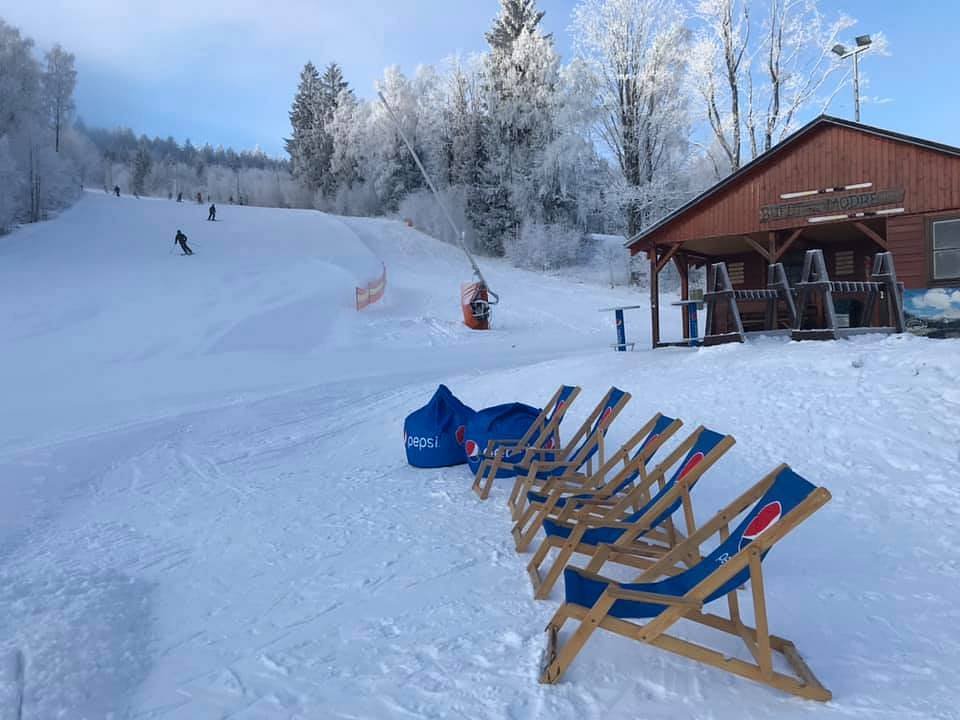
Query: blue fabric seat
{"type": "Point", "coordinates": [509, 421]}
{"type": "Point", "coordinates": [707, 441]}
{"type": "Point", "coordinates": [588, 447]}
{"type": "Point", "coordinates": [659, 427]}
{"type": "Point", "coordinates": [787, 491]}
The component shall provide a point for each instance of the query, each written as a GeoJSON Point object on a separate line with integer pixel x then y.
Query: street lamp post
{"type": "Point", "coordinates": [863, 44]}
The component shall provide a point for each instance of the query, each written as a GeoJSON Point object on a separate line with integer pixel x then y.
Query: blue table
{"type": "Point", "coordinates": [693, 306]}
{"type": "Point", "coordinates": [621, 344]}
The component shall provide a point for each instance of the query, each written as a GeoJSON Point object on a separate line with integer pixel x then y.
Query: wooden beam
{"type": "Point", "coordinates": [872, 234]}
{"type": "Point", "coordinates": [786, 246]}
{"type": "Point", "coordinates": [654, 297]}
{"type": "Point", "coordinates": [668, 257]}
{"type": "Point", "coordinates": [772, 244]}
{"type": "Point", "coordinates": [683, 268]}
{"type": "Point", "coordinates": [756, 246]}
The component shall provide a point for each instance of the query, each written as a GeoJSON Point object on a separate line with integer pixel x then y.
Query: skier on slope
{"type": "Point", "coordinates": [213, 212]}
{"type": "Point", "coordinates": [182, 240]}
{"type": "Point", "coordinates": [116, 190]}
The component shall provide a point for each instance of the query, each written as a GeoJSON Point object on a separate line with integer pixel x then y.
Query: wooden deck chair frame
{"type": "Point", "coordinates": [563, 487]}
{"type": "Point", "coordinates": [629, 549]}
{"type": "Point", "coordinates": [581, 442]}
{"type": "Point", "coordinates": [759, 642]}
{"type": "Point", "coordinates": [497, 450]}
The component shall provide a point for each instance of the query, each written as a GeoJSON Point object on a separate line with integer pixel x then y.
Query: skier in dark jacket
{"type": "Point", "coordinates": [213, 213]}
{"type": "Point", "coordinates": [182, 239]}
{"type": "Point", "coordinates": [116, 190]}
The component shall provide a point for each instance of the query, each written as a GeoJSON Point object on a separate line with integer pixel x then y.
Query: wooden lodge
{"type": "Point", "coordinates": [848, 190]}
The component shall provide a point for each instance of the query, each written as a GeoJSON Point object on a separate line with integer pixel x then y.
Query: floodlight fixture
{"type": "Point", "coordinates": [863, 44]}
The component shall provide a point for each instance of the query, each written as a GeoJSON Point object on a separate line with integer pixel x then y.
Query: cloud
{"type": "Point", "coordinates": [226, 70]}
{"type": "Point", "coordinates": [939, 302]}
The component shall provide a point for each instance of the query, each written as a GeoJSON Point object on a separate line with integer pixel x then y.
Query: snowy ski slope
{"type": "Point", "coordinates": [205, 509]}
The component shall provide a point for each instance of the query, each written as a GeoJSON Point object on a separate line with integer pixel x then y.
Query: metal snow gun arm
{"type": "Point", "coordinates": [476, 298]}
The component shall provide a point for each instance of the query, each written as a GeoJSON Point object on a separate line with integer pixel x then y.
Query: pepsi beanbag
{"type": "Point", "coordinates": [500, 422]}
{"type": "Point", "coordinates": [433, 435]}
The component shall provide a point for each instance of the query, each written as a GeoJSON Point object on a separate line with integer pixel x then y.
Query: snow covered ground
{"type": "Point", "coordinates": [205, 509]}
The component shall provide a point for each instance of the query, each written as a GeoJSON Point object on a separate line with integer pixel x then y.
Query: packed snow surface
{"type": "Point", "coordinates": [206, 511]}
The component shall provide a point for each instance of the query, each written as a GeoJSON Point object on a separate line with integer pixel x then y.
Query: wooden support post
{"type": "Point", "coordinates": [764, 656]}
{"type": "Point", "coordinates": [772, 244]}
{"type": "Point", "coordinates": [684, 269]}
{"type": "Point", "coordinates": [654, 297]}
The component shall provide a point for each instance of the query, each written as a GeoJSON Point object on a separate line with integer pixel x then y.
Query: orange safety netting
{"type": "Point", "coordinates": [373, 291]}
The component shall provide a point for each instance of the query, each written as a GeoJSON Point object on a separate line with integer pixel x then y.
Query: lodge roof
{"type": "Point", "coordinates": [816, 123]}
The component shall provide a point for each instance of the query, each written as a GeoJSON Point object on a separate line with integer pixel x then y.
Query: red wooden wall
{"type": "Point", "coordinates": [828, 156]}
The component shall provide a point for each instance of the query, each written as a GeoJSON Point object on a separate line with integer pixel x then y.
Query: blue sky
{"type": "Point", "coordinates": [225, 72]}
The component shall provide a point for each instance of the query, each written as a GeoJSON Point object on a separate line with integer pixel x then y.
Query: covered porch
{"type": "Point", "coordinates": [848, 247]}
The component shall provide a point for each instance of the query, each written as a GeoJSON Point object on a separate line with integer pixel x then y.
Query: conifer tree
{"type": "Point", "coordinates": [141, 169]}
{"type": "Point", "coordinates": [515, 17]}
{"type": "Point", "coordinates": [520, 78]}
{"type": "Point", "coordinates": [303, 119]}
{"type": "Point", "coordinates": [331, 91]}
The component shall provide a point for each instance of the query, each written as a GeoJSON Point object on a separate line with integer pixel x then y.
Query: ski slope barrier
{"type": "Point", "coordinates": [373, 291]}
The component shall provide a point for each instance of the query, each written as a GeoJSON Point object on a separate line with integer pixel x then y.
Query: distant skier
{"type": "Point", "coordinates": [182, 240]}
{"type": "Point", "coordinates": [213, 213]}
{"type": "Point", "coordinates": [179, 197]}
{"type": "Point", "coordinates": [116, 190]}
{"type": "Point", "coordinates": [199, 199]}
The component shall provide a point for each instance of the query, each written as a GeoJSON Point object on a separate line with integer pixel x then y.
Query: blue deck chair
{"type": "Point", "coordinates": [780, 502]}
{"type": "Point", "coordinates": [637, 537]}
{"type": "Point", "coordinates": [554, 495]}
{"type": "Point", "coordinates": [576, 456]}
{"type": "Point", "coordinates": [503, 458]}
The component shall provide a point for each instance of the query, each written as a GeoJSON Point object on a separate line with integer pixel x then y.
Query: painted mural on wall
{"type": "Point", "coordinates": [934, 312]}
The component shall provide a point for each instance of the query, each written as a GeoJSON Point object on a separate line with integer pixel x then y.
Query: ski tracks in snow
{"type": "Point", "coordinates": [278, 559]}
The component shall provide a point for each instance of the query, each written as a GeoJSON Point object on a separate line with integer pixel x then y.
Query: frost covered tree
{"type": "Point", "coordinates": [36, 179]}
{"type": "Point", "coordinates": [305, 119]}
{"type": "Point", "coordinates": [798, 68]}
{"type": "Point", "coordinates": [390, 168]}
{"type": "Point", "coordinates": [516, 16]}
{"type": "Point", "coordinates": [346, 127]}
{"type": "Point", "coordinates": [332, 90]}
{"type": "Point", "coordinates": [59, 82]}
{"type": "Point", "coordinates": [521, 79]}
{"type": "Point", "coordinates": [636, 50]}
{"type": "Point", "coordinates": [543, 247]}
{"type": "Point", "coordinates": [141, 170]}
{"type": "Point", "coordinates": [755, 74]}
{"type": "Point", "coordinates": [311, 143]}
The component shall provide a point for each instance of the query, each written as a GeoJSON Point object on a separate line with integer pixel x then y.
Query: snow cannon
{"type": "Point", "coordinates": [476, 300]}
{"type": "Point", "coordinates": [433, 436]}
{"type": "Point", "coordinates": [476, 297]}
{"type": "Point", "coordinates": [500, 422]}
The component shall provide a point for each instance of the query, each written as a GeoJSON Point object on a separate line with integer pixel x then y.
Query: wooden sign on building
{"type": "Point", "coordinates": [831, 205]}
